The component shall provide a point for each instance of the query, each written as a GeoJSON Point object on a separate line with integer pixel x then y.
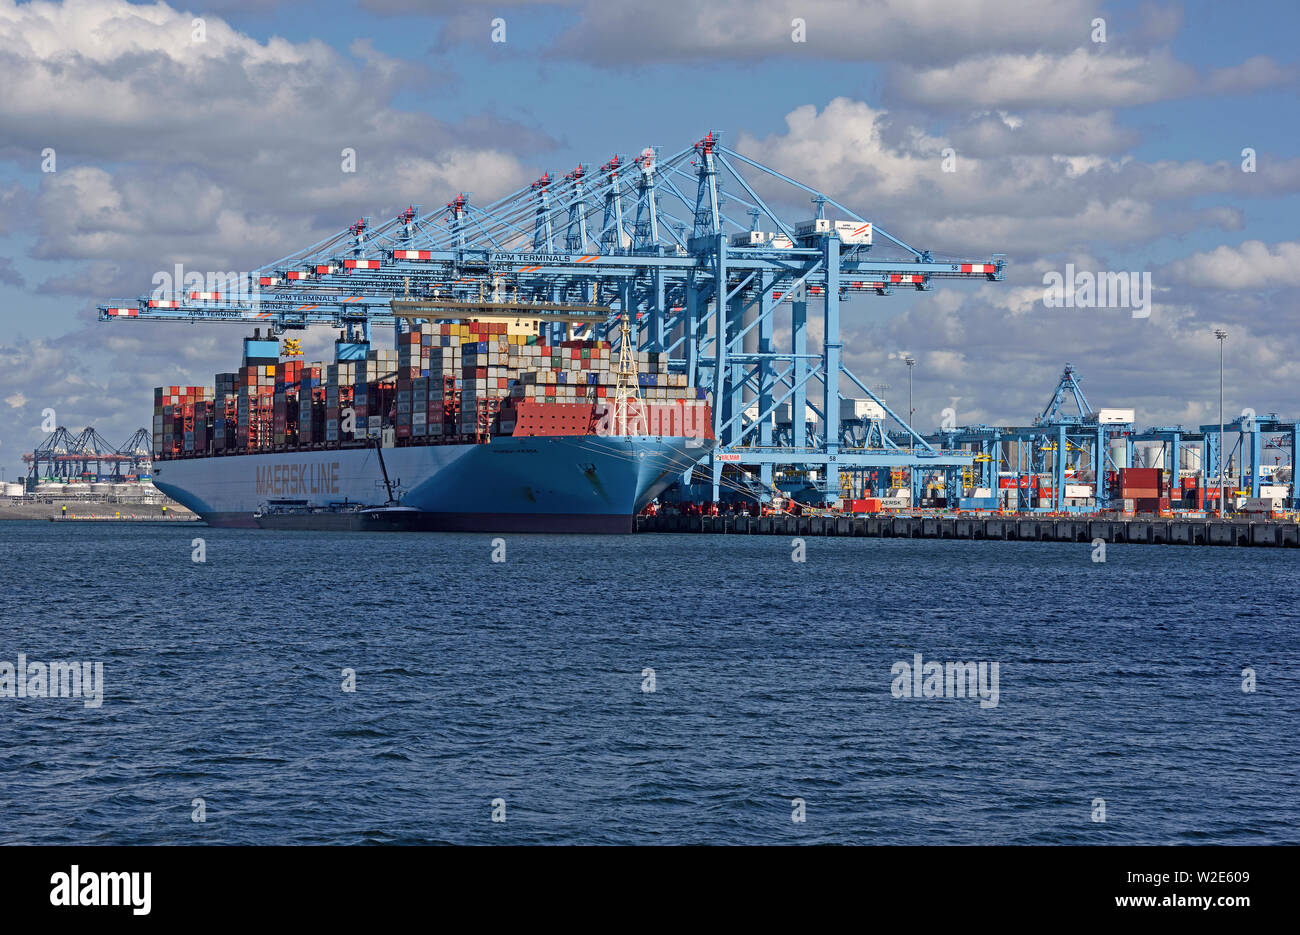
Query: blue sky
{"type": "Point", "coordinates": [1124, 155]}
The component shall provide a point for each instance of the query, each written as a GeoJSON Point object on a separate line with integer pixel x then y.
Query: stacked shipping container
{"type": "Point", "coordinates": [181, 420]}
{"type": "Point", "coordinates": [285, 412]}
{"type": "Point", "coordinates": [340, 397]}
{"type": "Point", "coordinates": [1147, 488]}
{"type": "Point", "coordinates": [225, 411]}
{"type": "Point", "coordinates": [311, 405]}
{"type": "Point", "coordinates": [450, 381]}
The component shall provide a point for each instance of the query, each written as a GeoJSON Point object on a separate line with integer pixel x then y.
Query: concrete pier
{"type": "Point", "coordinates": [1232, 532]}
{"type": "Point", "coordinates": [91, 509]}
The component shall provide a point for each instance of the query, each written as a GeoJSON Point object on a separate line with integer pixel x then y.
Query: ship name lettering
{"type": "Point", "coordinates": [282, 479]}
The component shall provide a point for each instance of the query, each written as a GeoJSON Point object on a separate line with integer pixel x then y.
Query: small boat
{"type": "Point", "coordinates": [338, 517]}
{"type": "Point", "coordinates": [390, 516]}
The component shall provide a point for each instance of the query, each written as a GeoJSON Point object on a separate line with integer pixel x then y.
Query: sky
{"type": "Point", "coordinates": [1120, 155]}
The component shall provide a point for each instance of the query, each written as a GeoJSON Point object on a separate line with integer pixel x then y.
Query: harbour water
{"type": "Point", "coordinates": [524, 683]}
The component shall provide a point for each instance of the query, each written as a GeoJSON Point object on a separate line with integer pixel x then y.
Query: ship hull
{"type": "Point", "coordinates": [570, 484]}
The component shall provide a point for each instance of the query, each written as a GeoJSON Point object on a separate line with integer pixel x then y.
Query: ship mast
{"type": "Point", "coordinates": [625, 389]}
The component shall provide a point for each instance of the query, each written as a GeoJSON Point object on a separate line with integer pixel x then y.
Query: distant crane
{"type": "Point", "coordinates": [89, 454]}
{"type": "Point", "coordinates": [1068, 385]}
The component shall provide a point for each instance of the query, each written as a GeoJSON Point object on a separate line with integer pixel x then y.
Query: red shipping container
{"type": "Point", "coordinates": [1140, 477]}
{"type": "Point", "coordinates": [1151, 505]}
{"type": "Point", "coordinates": [863, 505]}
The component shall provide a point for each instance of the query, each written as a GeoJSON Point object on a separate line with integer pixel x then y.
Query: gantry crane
{"type": "Point", "coordinates": [657, 239]}
{"type": "Point", "coordinates": [62, 454]}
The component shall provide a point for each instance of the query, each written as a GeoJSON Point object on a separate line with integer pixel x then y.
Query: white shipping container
{"type": "Point", "coordinates": [1111, 416]}
{"type": "Point", "coordinates": [1262, 504]}
{"type": "Point", "coordinates": [1078, 491]}
{"type": "Point", "coordinates": [1273, 491]}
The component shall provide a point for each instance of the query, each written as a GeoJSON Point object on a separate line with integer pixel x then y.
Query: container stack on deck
{"type": "Point", "coordinates": [444, 382]}
{"type": "Point", "coordinates": [255, 407]}
{"type": "Point", "coordinates": [177, 410]}
{"type": "Point", "coordinates": [285, 409]}
{"type": "Point", "coordinates": [340, 396]}
{"type": "Point", "coordinates": [225, 414]}
{"type": "Point", "coordinates": [375, 392]}
{"type": "Point", "coordinates": [311, 405]}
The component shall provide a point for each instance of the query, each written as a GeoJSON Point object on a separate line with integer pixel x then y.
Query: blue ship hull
{"type": "Point", "coordinates": [581, 484]}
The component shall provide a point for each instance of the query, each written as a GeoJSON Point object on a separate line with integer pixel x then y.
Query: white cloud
{"type": "Point", "coordinates": [618, 34]}
{"type": "Point", "coordinates": [1032, 204]}
{"type": "Point", "coordinates": [1083, 79]}
{"type": "Point", "coordinates": [1006, 134]}
{"type": "Point", "coordinates": [1253, 265]}
{"type": "Point", "coordinates": [1253, 74]}
{"type": "Point", "coordinates": [219, 154]}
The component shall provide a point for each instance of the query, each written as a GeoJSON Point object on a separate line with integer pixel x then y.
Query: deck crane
{"type": "Point", "coordinates": [695, 282]}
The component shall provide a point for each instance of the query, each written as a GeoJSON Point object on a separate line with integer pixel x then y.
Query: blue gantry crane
{"type": "Point", "coordinates": [692, 246]}
{"type": "Point", "coordinates": [1253, 437]}
{"type": "Point", "coordinates": [88, 455]}
{"type": "Point", "coordinates": [1058, 451]}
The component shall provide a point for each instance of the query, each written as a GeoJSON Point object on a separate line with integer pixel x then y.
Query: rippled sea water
{"type": "Point", "coordinates": [523, 681]}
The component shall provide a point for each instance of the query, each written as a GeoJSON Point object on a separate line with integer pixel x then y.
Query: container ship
{"type": "Point", "coordinates": [481, 425]}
